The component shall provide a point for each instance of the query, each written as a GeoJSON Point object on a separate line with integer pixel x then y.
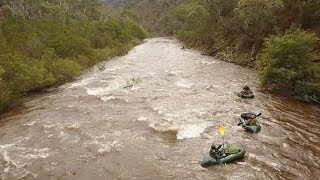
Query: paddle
{"type": "Point", "coordinates": [221, 130]}
{"type": "Point", "coordinates": [254, 117]}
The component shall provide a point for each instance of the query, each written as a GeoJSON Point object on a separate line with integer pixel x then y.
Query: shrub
{"type": "Point", "coordinates": [23, 75]}
{"type": "Point", "coordinates": [65, 69]}
{"type": "Point", "coordinates": [5, 93]}
{"type": "Point", "coordinates": [307, 91]}
{"type": "Point", "coordinates": [67, 45]}
{"type": "Point", "coordinates": [287, 58]}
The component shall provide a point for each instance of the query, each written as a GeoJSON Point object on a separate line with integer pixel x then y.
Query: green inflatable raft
{"type": "Point", "coordinates": [252, 128]}
{"type": "Point", "coordinates": [233, 152]}
{"type": "Point", "coordinates": [250, 95]}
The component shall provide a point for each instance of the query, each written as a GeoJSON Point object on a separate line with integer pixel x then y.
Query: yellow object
{"type": "Point", "coordinates": [222, 131]}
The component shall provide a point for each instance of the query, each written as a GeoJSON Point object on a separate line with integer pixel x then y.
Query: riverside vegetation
{"type": "Point", "coordinates": [45, 43]}
{"type": "Point", "coordinates": [278, 37]}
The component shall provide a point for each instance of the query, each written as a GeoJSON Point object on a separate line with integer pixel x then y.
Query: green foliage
{"type": "Point", "coordinates": [158, 17]}
{"type": "Point", "coordinates": [65, 69]}
{"type": "Point", "coordinates": [236, 30]}
{"type": "Point", "coordinates": [257, 13]}
{"type": "Point", "coordinates": [307, 91]}
{"type": "Point", "coordinates": [23, 75]}
{"type": "Point", "coordinates": [307, 16]}
{"type": "Point", "coordinates": [45, 43]}
{"type": "Point", "coordinates": [287, 57]}
{"type": "Point", "coordinates": [192, 14]}
{"type": "Point", "coordinates": [3, 44]}
{"type": "Point", "coordinates": [70, 45]}
{"type": "Point", "coordinates": [5, 93]}
{"type": "Point", "coordinates": [221, 8]}
{"type": "Point", "coordinates": [193, 18]}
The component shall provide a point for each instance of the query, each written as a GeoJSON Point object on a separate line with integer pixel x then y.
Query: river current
{"type": "Point", "coordinates": [153, 114]}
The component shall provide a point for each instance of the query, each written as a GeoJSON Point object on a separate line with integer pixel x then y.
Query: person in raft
{"type": "Point", "coordinates": [215, 152]}
{"type": "Point", "coordinates": [250, 118]}
{"type": "Point", "coordinates": [246, 90]}
{"type": "Point", "coordinates": [252, 121]}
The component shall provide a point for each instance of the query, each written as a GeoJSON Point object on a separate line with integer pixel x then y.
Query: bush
{"type": "Point", "coordinates": [65, 69]}
{"type": "Point", "coordinates": [307, 91]}
{"type": "Point", "coordinates": [67, 45]}
{"type": "Point", "coordinates": [5, 93]}
{"type": "Point", "coordinates": [287, 58]}
{"type": "Point", "coordinates": [23, 75]}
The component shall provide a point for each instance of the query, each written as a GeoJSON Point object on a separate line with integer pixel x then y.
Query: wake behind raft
{"type": "Point", "coordinates": [229, 154]}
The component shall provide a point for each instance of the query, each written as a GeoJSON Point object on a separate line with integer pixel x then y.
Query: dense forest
{"type": "Point", "coordinates": [278, 37]}
{"type": "Point", "coordinates": [45, 43]}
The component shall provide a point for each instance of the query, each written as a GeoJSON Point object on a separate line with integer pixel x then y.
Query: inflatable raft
{"type": "Point", "coordinates": [250, 95]}
{"type": "Point", "coordinates": [250, 128]}
{"type": "Point", "coordinates": [208, 160]}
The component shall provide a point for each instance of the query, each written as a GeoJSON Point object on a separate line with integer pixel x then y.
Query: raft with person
{"type": "Point", "coordinates": [221, 154]}
{"type": "Point", "coordinates": [228, 155]}
{"type": "Point", "coordinates": [246, 92]}
{"type": "Point", "coordinates": [249, 122]}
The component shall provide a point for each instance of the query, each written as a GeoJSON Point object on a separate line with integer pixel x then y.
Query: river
{"type": "Point", "coordinates": [153, 114]}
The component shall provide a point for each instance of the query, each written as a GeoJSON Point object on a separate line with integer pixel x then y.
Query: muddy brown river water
{"type": "Point", "coordinates": [152, 114]}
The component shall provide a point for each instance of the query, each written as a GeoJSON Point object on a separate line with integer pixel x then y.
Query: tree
{"type": "Point", "coordinates": [221, 10]}
{"type": "Point", "coordinates": [258, 17]}
{"type": "Point", "coordinates": [287, 58]}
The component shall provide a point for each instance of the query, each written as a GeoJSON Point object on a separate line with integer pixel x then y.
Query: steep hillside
{"type": "Point", "coordinates": [157, 16]}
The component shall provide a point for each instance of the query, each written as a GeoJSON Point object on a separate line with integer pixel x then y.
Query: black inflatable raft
{"type": "Point", "coordinates": [250, 95]}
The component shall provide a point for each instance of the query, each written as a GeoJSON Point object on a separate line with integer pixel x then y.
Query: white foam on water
{"type": "Point", "coordinates": [81, 83]}
{"type": "Point", "coordinates": [192, 130]}
{"type": "Point", "coordinates": [116, 68]}
{"type": "Point", "coordinates": [107, 98]}
{"type": "Point", "coordinates": [7, 169]}
{"type": "Point", "coordinates": [75, 125]}
{"type": "Point", "coordinates": [103, 90]}
{"type": "Point", "coordinates": [48, 125]}
{"type": "Point", "coordinates": [183, 83]}
{"type": "Point", "coordinates": [159, 109]}
{"type": "Point", "coordinates": [20, 157]}
{"type": "Point", "coordinates": [142, 118]}
{"type": "Point", "coordinates": [6, 158]}
{"type": "Point", "coordinates": [188, 123]}
{"type": "Point", "coordinates": [209, 62]}
{"type": "Point", "coordinates": [135, 88]}
{"type": "Point", "coordinates": [164, 127]}
{"type": "Point", "coordinates": [31, 123]}
{"type": "Point", "coordinates": [108, 147]}
{"type": "Point", "coordinates": [5, 146]}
